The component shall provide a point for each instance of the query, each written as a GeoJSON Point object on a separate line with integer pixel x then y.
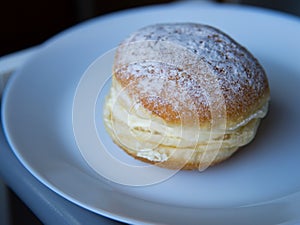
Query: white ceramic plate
{"type": "Point", "coordinates": [258, 185]}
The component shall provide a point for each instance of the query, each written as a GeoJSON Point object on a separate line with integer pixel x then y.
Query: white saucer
{"type": "Point", "coordinates": [258, 185]}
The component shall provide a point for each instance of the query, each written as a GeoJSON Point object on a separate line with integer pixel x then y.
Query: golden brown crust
{"type": "Point", "coordinates": [206, 92]}
{"type": "Point", "coordinates": [167, 155]}
{"type": "Point", "coordinates": [219, 62]}
{"type": "Point", "coordinates": [178, 162]}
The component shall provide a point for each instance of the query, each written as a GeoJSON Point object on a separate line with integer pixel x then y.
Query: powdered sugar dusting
{"type": "Point", "coordinates": [186, 67]}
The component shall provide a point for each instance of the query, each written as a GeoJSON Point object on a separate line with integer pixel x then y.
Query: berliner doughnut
{"type": "Point", "coordinates": [184, 96]}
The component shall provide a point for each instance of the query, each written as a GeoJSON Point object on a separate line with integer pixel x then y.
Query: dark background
{"type": "Point", "coordinates": [26, 23]}
{"type": "Point", "coordinates": [30, 22]}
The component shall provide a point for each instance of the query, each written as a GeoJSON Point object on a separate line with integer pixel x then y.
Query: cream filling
{"type": "Point", "coordinates": [259, 114]}
{"type": "Point", "coordinates": [137, 129]}
{"type": "Point", "coordinates": [152, 155]}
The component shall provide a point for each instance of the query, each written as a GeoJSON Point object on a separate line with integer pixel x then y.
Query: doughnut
{"type": "Point", "coordinates": [184, 96]}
